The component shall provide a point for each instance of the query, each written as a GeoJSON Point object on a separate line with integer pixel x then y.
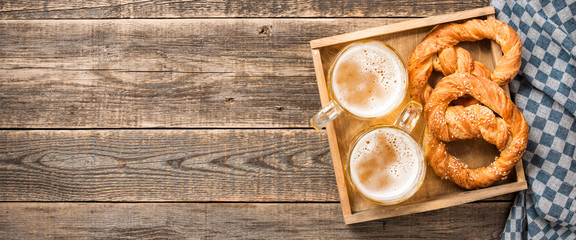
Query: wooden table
{"type": "Point", "coordinates": [185, 119]}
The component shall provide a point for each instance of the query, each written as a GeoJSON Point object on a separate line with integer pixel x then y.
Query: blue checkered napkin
{"type": "Point", "coordinates": [545, 92]}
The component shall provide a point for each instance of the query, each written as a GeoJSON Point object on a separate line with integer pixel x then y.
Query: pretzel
{"type": "Point", "coordinates": [457, 59]}
{"type": "Point", "coordinates": [490, 94]}
{"type": "Point", "coordinates": [474, 121]}
{"type": "Point", "coordinates": [448, 35]}
{"type": "Point", "coordinates": [452, 114]}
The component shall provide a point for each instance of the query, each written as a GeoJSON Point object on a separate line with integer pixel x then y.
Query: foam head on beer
{"type": "Point", "coordinates": [369, 79]}
{"type": "Point", "coordinates": [386, 165]}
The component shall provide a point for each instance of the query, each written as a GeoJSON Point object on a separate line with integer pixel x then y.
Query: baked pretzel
{"type": "Point", "coordinates": [460, 116]}
{"type": "Point", "coordinates": [457, 59]}
{"type": "Point", "coordinates": [466, 117]}
{"type": "Point", "coordinates": [474, 121]}
{"type": "Point", "coordinates": [490, 94]}
{"type": "Point", "coordinates": [446, 36]}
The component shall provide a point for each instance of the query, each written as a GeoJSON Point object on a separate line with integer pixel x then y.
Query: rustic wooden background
{"type": "Point", "coordinates": [186, 119]}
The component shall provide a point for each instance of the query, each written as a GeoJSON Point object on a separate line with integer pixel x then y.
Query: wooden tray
{"type": "Point", "coordinates": [434, 193]}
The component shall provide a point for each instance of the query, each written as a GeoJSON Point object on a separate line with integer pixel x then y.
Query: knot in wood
{"type": "Point", "coordinates": [265, 30]}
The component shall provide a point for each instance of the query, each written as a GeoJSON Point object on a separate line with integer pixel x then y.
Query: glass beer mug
{"type": "Point", "coordinates": [367, 80]}
{"type": "Point", "coordinates": [385, 164]}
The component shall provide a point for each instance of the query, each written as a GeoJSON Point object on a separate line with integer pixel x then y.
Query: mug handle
{"type": "Point", "coordinates": [409, 116]}
{"type": "Point", "coordinates": [324, 116]}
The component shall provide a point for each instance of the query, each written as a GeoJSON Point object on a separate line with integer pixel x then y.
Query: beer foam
{"type": "Point", "coordinates": [369, 79]}
{"type": "Point", "coordinates": [386, 164]}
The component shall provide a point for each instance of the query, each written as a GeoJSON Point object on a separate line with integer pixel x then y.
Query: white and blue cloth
{"type": "Point", "coordinates": [545, 91]}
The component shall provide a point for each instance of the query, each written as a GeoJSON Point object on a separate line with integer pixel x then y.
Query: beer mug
{"type": "Point", "coordinates": [385, 164]}
{"type": "Point", "coordinates": [367, 80]}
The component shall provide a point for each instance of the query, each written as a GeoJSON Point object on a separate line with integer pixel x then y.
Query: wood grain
{"type": "Point", "coordinates": [246, 221]}
{"type": "Point", "coordinates": [97, 9]}
{"type": "Point", "coordinates": [166, 165]}
{"type": "Point", "coordinates": [217, 73]}
{"type": "Point", "coordinates": [230, 64]}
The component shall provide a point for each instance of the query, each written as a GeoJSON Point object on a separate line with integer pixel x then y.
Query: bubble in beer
{"type": "Point", "coordinates": [369, 79]}
{"type": "Point", "coordinates": [385, 164]}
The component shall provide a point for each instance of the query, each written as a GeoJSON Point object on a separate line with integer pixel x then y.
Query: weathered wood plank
{"type": "Point", "coordinates": [50, 9]}
{"type": "Point", "coordinates": [246, 221]}
{"type": "Point", "coordinates": [166, 165]}
{"type": "Point", "coordinates": [255, 73]}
